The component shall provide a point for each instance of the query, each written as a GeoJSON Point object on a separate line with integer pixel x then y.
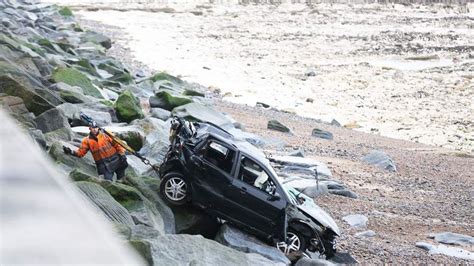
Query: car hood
{"type": "Point", "coordinates": [319, 215]}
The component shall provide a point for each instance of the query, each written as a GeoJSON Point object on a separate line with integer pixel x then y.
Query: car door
{"type": "Point", "coordinates": [213, 166]}
{"type": "Point", "coordinates": [257, 206]}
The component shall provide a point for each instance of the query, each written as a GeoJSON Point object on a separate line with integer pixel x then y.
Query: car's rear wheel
{"type": "Point", "coordinates": [294, 242]}
{"type": "Point", "coordinates": [174, 189]}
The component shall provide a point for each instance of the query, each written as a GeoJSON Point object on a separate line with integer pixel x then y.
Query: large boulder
{"type": "Point", "coordinates": [15, 106]}
{"type": "Point", "coordinates": [161, 114]}
{"type": "Point", "coordinates": [201, 113]}
{"type": "Point", "coordinates": [381, 160]}
{"type": "Point", "coordinates": [128, 107]}
{"type": "Point", "coordinates": [72, 112]}
{"type": "Point", "coordinates": [97, 38]}
{"type": "Point", "coordinates": [69, 163]}
{"type": "Point", "coordinates": [106, 203]}
{"type": "Point", "coordinates": [149, 188]}
{"type": "Point", "coordinates": [142, 210]}
{"type": "Point", "coordinates": [197, 250]}
{"type": "Point", "coordinates": [33, 101]}
{"type": "Point", "coordinates": [238, 240]}
{"type": "Point", "coordinates": [51, 120]}
{"type": "Point", "coordinates": [156, 139]}
{"type": "Point", "coordinates": [75, 77]}
{"type": "Point", "coordinates": [165, 100]}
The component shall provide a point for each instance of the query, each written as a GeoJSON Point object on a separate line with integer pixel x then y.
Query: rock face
{"type": "Point", "coordinates": [33, 101]}
{"type": "Point", "coordinates": [275, 125]}
{"type": "Point", "coordinates": [74, 77]}
{"type": "Point", "coordinates": [381, 160]}
{"type": "Point", "coordinates": [238, 240]}
{"type": "Point", "coordinates": [196, 250]}
{"type": "Point", "coordinates": [128, 107]}
{"type": "Point", "coordinates": [106, 203]}
{"type": "Point", "coordinates": [51, 120]}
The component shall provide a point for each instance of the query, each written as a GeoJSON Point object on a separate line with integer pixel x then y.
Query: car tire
{"type": "Point", "coordinates": [174, 189]}
{"type": "Point", "coordinates": [295, 242]}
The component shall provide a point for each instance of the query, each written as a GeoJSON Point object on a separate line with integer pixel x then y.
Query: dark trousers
{"type": "Point", "coordinates": [110, 175]}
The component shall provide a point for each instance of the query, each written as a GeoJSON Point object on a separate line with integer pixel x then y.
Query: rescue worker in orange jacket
{"type": "Point", "coordinates": [108, 155]}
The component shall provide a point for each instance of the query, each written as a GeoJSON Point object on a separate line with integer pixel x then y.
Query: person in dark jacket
{"type": "Point", "coordinates": [109, 156]}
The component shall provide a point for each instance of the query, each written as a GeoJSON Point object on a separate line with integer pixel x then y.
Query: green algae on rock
{"type": "Point", "coordinates": [165, 100]}
{"type": "Point", "coordinates": [74, 77]}
{"type": "Point", "coordinates": [127, 107]}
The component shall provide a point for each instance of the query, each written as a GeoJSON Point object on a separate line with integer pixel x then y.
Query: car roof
{"type": "Point", "coordinates": [238, 143]}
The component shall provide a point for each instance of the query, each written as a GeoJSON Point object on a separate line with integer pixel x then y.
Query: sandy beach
{"type": "Point", "coordinates": [402, 72]}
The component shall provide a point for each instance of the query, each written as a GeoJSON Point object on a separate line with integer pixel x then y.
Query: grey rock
{"type": "Point", "coordinates": [142, 210]}
{"type": "Point", "coordinates": [161, 114]}
{"type": "Point", "coordinates": [189, 250]}
{"type": "Point", "coordinates": [313, 262]}
{"type": "Point", "coordinates": [149, 187]}
{"type": "Point", "coordinates": [323, 134]}
{"type": "Point", "coordinates": [316, 191]}
{"type": "Point", "coordinates": [320, 167]}
{"type": "Point", "coordinates": [97, 38]}
{"type": "Point", "coordinates": [368, 233]}
{"type": "Point", "coordinates": [343, 192]}
{"type": "Point", "coordinates": [381, 160]}
{"type": "Point", "coordinates": [72, 112]}
{"type": "Point", "coordinates": [276, 125]}
{"type": "Point", "coordinates": [334, 122]}
{"type": "Point", "coordinates": [106, 203]}
{"type": "Point", "coordinates": [238, 240]}
{"type": "Point", "coordinates": [297, 153]}
{"type": "Point", "coordinates": [52, 120]}
{"type": "Point", "coordinates": [199, 112]}
{"type": "Point", "coordinates": [445, 250]}
{"type": "Point", "coordinates": [356, 220]}
{"type": "Point", "coordinates": [453, 238]}
{"type": "Point", "coordinates": [38, 136]}
{"type": "Point", "coordinates": [86, 164]}
{"type": "Point", "coordinates": [141, 231]}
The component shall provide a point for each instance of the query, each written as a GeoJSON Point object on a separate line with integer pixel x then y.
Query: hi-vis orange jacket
{"type": "Point", "coordinates": [102, 148]}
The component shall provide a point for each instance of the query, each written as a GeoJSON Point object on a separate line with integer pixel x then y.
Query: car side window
{"type": "Point", "coordinates": [253, 174]}
{"type": "Point", "coordinates": [219, 155]}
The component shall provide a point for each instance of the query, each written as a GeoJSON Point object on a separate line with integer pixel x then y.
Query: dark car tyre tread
{"type": "Point", "coordinates": [174, 189]}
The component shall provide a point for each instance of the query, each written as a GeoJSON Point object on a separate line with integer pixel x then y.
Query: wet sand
{"type": "Point", "coordinates": [402, 72]}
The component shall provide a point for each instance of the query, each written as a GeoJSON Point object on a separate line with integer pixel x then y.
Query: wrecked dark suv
{"type": "Point", "coordinates": [231, 179]}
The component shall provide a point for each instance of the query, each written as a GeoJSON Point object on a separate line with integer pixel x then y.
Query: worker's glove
{"type": "Point", "coordinates": [68, 150]}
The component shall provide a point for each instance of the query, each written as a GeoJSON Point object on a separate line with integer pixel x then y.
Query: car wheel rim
{"type": "Point", "coordinates": [292, 244]}
{"type": "Point", "coordinates": [175, 189]}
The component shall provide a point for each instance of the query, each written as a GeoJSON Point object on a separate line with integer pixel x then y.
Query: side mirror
{"type": "Point", "coordinates": [274, 197]}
